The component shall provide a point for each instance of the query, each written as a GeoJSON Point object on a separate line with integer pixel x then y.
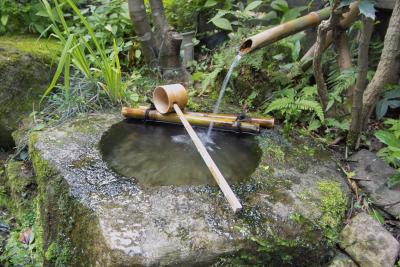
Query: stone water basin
{"type": "Point", "coordinates": [92, 214]}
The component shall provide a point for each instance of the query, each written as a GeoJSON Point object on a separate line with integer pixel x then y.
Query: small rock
{"type": "Point", "coordinates": [342, 260]}
{"type": "Point", "coordinates": [368, 243]}
{"type": "Point", "coordinates": [369, 166]}
{"type": "Point", "coordinates": [4, 228]}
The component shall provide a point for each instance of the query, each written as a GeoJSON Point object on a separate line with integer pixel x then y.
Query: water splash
{"type": "Point", "coordinates": [235, 62]}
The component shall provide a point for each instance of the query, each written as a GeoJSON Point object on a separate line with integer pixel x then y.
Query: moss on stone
{"type": "Point", "coordinates": [333, 208]}
{"type": "Point", "coordinates": [21, 186]}
{"type": "Point", "coordinates": [47, 49]}
{"type": "Point", "coordinates": [25, 72]}
{"type": "Point", "coordinates": [69, 232]}
{"type": "Point", "coordinates": [50, 221]}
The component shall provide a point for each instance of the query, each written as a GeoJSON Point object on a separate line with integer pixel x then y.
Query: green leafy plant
{"type": "Point", "coordinates": [391, 98]}
{"type": "Point", "coordinates": [109, 20]}
{"type": "Point", "coordinates": [292, 104]}
{"type": "Point", "coordinates": [238, 15]}
{"type": "Point", "coordinates": [391, 153]}
{"type": "Point", "coordinates": [86, 54]}
{"type": "Point", "coordinates": [340, 81]}
{"type": "Point", "coordinates": [21, 17]}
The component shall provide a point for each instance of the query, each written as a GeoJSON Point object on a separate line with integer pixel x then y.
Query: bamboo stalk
{"type": "Point", "coordinates": [219, 178]}
{"type": "Point", "coordinates": [227, 123]}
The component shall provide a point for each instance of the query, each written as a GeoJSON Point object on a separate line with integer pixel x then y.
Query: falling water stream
{"type": "Point", "coordinates": [235, 62]}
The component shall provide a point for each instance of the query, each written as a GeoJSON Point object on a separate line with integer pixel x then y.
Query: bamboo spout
{"type": "Point", "coordinates": [283, 30]}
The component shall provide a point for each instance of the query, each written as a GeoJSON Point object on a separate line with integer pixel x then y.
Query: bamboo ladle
{"type": "Point", "coordinates": [173, 97]}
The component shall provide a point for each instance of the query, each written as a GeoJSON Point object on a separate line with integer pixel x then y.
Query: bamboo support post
{"type": "Point", "coordinates": [264, 122]}
{"type": "Point", "coordinates": [219, 178]}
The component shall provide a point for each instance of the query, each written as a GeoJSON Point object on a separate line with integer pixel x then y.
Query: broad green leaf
{"type": "Point", "coordinates": [270, 15]}
{"type": "Point", "coordinates": [366, 8]}
{"type": "Point", "coordinates": [109, 28]}
{"type": "Point", "coordinates": [210, 3]}
{"type": "Point", "coordinates": [197, 76]}
{"type": "Point", "coordinates": [280, 5]}
{"type": "Point", "coordinates": [4, 20]}
{"type": "Point", "coordinates": [220, 13]}
{"type": "Point", "coordinates": [394, 103]}
{"type": "Point", "coordinates": [394, 93]}
{"type": "Point", "coordinates": [291, 14]}
{"type": "Point", "coordinates": [223, 24]}
{"type": "Point", "coordinates": [381, 109]}
{"type": "Point", "coordinates": [388, 138]}
{"type": "Point", "coordinates": [252, 6]}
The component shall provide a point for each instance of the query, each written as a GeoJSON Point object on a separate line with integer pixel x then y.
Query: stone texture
{"type": "Point", "coordinates": [342, 260]}
{"type": "Point", "coordinates": [25, 73]}
{"type": "Point", "coordinates": [369, 166]}
{"type": "Point", "coordinates": [368, 243]}
{"type": "Point", "coordinates": [386, 4]}
{"type": "Point", "coordinates": [93, 217]}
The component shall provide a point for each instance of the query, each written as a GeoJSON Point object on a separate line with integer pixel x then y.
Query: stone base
{"type": "Point", "coordinates": [293, 205]}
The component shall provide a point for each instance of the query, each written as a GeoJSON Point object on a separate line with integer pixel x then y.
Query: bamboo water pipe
{"type": "Point", "coordinates": [283, 30]}
{"type": "Point", "coordinates": [221, 121]}
{"type": "Point", "coordinates": [174, 97]}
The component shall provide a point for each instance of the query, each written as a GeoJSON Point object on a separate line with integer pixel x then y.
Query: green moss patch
{"type": "Point", "coordinates": [333, 208]}
{"type": "Point", "coordinates": [46, 48]}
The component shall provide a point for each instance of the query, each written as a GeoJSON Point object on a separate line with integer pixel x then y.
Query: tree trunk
{"type": "Point", "coordinates": [320, 44]}
{"type": "Point", "coordinates": [386, 66]}
{"type": "Point", "coordinates": [344, 62]}
{"type": "Point", "coordinates": [142, 27]}
{"type": "Point", "coordinates": [362, 63]}
{"type": "Point", "coordinates": [343, 52]}
{"type": "Point", "coordinates": [317, 64]}
{"type": "Point", "coordinates": [159, 20]}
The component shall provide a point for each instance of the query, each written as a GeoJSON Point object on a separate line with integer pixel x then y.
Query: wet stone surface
{"type": "Point", "coordinates": [287, 201]}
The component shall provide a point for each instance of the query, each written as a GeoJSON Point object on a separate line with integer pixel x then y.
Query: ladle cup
{"type": "Point", "coordinates": [165, 96]}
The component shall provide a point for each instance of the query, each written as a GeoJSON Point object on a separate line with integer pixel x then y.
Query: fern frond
{"type": "Point", "coordinates": [344, 125]}
{"type": "Point", "coordinates": [279, 104]}
{"type": "Point", "coordinates": [310, 105]}
{"type": "Point", "coordinates": [341, 81]}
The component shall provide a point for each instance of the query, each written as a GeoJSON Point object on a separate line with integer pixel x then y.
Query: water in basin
{"type": "Point", "coordinates": [157, 154]}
